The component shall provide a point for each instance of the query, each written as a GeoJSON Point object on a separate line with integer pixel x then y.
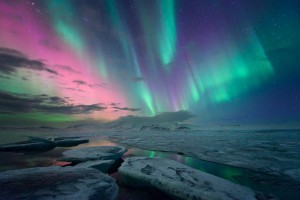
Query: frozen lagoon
{"type": "Point", "coordinates": [272, 155]}
{"type": "Point", "coordinates": [272, 152]}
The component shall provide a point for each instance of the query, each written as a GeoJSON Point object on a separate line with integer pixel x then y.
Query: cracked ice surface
{"type": "Point", "coordinates": [57, 183]}
{"type": "Point", "coordinates": [275, 153]}
{"type": "Point", "coordinates": [179, 180]}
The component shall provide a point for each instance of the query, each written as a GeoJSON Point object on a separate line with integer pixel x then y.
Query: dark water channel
{"type": "Point", "coordinates": [278, 186]}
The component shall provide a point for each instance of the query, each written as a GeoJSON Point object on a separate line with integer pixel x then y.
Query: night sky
{"type": "Point", "coordinates": [225, 61]}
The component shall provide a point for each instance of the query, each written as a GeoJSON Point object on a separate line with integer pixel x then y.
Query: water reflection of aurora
{"type": "Point", "coordinates": [223, 171]}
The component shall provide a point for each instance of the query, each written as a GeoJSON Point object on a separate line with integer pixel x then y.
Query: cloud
{"type": "Point", "coordinates": [126, 108]}
{"type": "Point", "coordinates": [57, 100]}
{"type": "Point", "coordinates": [72, 109]}
{"type": "Point", "coordinates": [164, 117]}
{"type": "Point", "coordinates": [67, 68]}
{"type": "Point", "coordinates": [70, 89]}
{"type": "Point", "coordinates": [114, 104]}
{"type": "Point", "coordinates": [103, 85]}
{"type": "Point", "coordinates": [80, 82]}
{"type": "Point", "coordinates": [11, 103]}
{"type": "Point", "coordinates": [173, 116]}
{"type": "Point", "coordinates": [11, 60]}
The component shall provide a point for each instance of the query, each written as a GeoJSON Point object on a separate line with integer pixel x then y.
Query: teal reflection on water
{"type": "Point", "coordinates": [220, 170]}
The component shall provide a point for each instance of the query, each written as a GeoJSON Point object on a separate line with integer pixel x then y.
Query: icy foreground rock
{"type": "Point", "coordinates": [93, 153]}
{"type": "Point", "coordinates": [38, 145]}
{"type": "Point", "coordinates": [33, 144]}
{"type": "Point", "coordinates": [27, 147]}
{"type": "Point", "coordinates": [69, 142]}
{"type": "Point", "coordinates": [180, 181]}
{"type": "Point", "coordinates": [101, 165]}
{"type": "Point", "coordinates": [57, 183]}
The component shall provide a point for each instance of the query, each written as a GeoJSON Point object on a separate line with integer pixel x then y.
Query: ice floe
{"type": "Point", "coordinates": [57, 183]}
{"type": "Point", "coordinates": [69, 142]}
{"type": "Point", "coordinates": [93, 153]}
{"type": "Point", "coordinates": [272, 153]}
{"type": "Point", "coordinates": [180, 181]}
{"type": "Point", "coordinates": [37, 144]}
{"type": "Point", "coordinates": [32, 145]}
{"type": "Point", "coordinates": [101, 165]}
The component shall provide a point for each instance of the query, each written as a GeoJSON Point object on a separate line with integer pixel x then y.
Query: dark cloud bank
{"type": "Point", "coordinates": [80, 82]}
{"type": "Point", "coordinates": [11, 103]}
{"type": "Point", "coordinates": [12, 60]}
{"type": "Point", "coordinates": [126, 108]}
{"type": "Point", "coordinates": [165, 117]}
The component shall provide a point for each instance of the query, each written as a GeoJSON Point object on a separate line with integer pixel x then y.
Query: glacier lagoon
{"type": "Point", "coordinates": [266, 161]}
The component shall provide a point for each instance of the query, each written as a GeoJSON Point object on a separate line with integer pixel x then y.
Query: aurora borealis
{"type": "Point", "coordinates": [224, 61]}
